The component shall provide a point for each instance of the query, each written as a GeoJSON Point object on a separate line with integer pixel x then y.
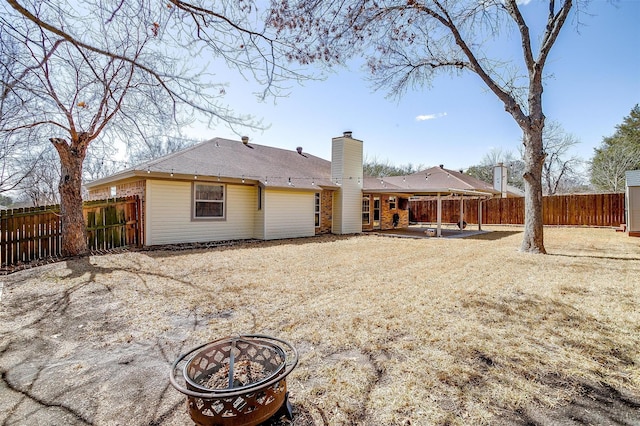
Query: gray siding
{"type": "Point", "coordinates": [633, 177]}
{"type": "Point", "coordinates": [633, 208]}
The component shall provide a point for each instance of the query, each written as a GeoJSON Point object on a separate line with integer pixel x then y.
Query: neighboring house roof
{"type": "Point", "coordinates": [438, 180]}
{"type": "Point", "coordinates": [273, 167]}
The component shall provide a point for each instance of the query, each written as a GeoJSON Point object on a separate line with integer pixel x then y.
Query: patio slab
{"type": "Point", "coordinates": [420, 231]}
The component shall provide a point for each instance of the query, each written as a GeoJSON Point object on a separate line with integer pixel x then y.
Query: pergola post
{"type": "Point", "coordinates": [439, 217]}
{"type": "Point", "coordinates": [461, 222]}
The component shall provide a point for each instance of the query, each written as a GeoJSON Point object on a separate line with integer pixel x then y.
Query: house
{"type": "Point", "coordinates": [632, 202]}
{"type": "Point", "coordinates": [231, 190]}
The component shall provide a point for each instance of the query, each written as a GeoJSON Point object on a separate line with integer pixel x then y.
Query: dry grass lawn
{"type": "Point", "coordinates": [391, 331]}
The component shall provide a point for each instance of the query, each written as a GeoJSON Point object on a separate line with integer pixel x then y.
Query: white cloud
{"type": "Point", "coordinates": [430, 116]}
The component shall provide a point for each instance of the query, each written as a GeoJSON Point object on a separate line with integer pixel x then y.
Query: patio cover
{"type": "Point", "coordinates": [435, 182]}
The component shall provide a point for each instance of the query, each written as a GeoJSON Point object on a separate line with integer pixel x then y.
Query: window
{"type": "Point", "coordinates": [317, 209]}
{"type": "Point", "coordinates": [392, 203]}
{"type": "Point", "coordinates": [208, 201]}
{"type": "Point", "coordinates": [365, 210]}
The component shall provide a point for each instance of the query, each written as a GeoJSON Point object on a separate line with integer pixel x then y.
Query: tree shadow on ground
{"type": "Point", "coordinates": [596, 404]}
{"type": "Point", "coordinates": [492, 235]}
{"type": "Point", "coordinates": [633, 259]}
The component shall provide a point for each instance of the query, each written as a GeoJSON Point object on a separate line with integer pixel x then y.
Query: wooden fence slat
{"type": "Point", "coordinates": [579, 210]}
{"type": "Point", "coordinates": [35, 233]}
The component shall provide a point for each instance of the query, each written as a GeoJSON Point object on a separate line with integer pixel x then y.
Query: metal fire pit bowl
{"type": "Point", "coordinates": [232, 400]}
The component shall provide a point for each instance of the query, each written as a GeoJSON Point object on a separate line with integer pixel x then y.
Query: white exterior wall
{"type": "Point", "coordinates": [346, 168]}
{"type": "Point", "coordinates": [633, 200]}
{"type": "Point", "coordinates": [288, 214]}
{"type": "Point", "coordinates": [168, 214]}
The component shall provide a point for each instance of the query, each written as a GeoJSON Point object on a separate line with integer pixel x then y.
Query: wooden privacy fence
{"type": "Point", "coordinates": [34, 233]}
{"type": "Point", "coordinates": [584, 210]}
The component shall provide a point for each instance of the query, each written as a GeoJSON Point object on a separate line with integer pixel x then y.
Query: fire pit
{"type": "Point", "coordinates": [239, 381]}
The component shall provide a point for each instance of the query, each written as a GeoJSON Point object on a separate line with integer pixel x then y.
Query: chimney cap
{"type": "Point", "coordinates": [245, 140]}
{"type": "Point", "coordinates": [347, 134]}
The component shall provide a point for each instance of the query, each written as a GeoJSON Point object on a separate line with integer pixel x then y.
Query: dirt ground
{"type": "Point", "coordinates": [390, 331]}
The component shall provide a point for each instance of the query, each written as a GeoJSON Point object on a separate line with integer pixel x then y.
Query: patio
{"type": "Point", "coordinates": [428, 231]}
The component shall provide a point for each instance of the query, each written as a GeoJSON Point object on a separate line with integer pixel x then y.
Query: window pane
{"type": "Point", "coordinates": [210, 192]}
{"type": "Point", "coordinates": [204, 209]}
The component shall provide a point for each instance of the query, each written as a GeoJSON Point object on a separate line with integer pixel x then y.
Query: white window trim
{"type": "Point", "coordinates": [193, 202]}
{"type": "Point", "coordinates": [394, 202]}
{"type": "Point", "coordinates": [317, 208]}
{"type": "Point", "coordinates": [368, 198]}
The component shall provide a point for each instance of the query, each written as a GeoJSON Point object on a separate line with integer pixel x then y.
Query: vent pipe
{"type": "Point", "coordinates": [299, 149]}
{"type": "Point", "coordinates": [245, 140]}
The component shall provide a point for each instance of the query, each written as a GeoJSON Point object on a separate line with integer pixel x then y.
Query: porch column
{"type": "Point", "coordinates": [479, 214]}
{"type": "Point", "coordinates": [439, 217]}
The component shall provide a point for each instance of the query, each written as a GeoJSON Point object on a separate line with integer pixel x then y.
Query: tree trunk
{"type": "Point", "coordinates": [533, 241]}
{"type": "Point", "coordinates": [74, 240]}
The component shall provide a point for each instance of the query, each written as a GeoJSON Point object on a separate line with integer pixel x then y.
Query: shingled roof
{"type": "Point", "coordinates": [224, 158]}
{"type": "Point", "coordinates": [436, 180]}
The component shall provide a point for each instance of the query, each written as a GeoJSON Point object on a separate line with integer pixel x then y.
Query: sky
{"type": "Point", "coordinates": [592, 83]}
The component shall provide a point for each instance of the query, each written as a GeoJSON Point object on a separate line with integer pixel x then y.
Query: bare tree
{"type": "Point", "coordinates": [484, 170]}
{"type": "Point", "coordinates": [76, 94]}
{"type": "Point", "coordinates": [559, 171]}
{"type": "Point", "coordinates": [408, 42]}
{"type": "Point", "coordinates": [100, 162]}
{"type": "Point", "coordinates": [378, 168]}
{"type": "Point", "coordinates": [162, 146]}
{"type": "Point", "coordinates": [121, 70]}
{"type": "Point", "coordinates": [40, 185]}
{"type": "Point", "coordinates": [11, 175]}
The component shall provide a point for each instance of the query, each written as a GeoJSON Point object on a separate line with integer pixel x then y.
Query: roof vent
{"type": "Point", "coordinates": [442, 166]}
{"type": "Point", "coordinates": [347, 134]}
{"type": "Point", "coordinates": [245, 140]}
{"type": "Point", "coordinates": [299, 149]}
